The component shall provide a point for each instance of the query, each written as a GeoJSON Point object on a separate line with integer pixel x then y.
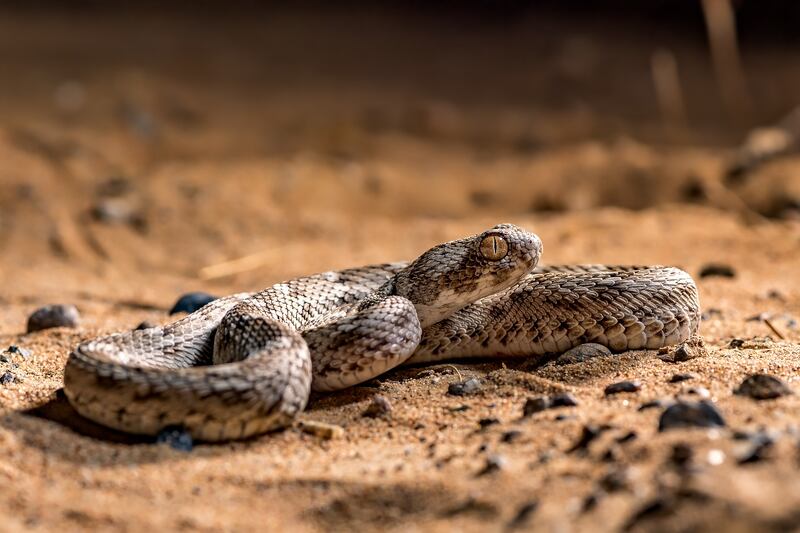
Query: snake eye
{"type": "Point", "coordinates": [494, 247]}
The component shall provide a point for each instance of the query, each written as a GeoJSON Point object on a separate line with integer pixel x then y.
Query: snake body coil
{"type": "Point", "coordinates": [245, 364]}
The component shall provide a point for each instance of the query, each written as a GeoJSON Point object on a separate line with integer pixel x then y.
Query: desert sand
{"type": "Point", "coordinates": [131, 163]}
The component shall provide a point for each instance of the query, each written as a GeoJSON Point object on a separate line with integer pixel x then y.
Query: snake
{"type": "Point", "coordinates": [246, 364]}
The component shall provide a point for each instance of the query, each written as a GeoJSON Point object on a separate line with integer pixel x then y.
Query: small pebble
{"type": "Point", "coordinates": [19, 350]}
{"type": "Point", "coordinates": [321, 429]}
{"type": "Point", "coordinates": [715, 457]}
{"type": "Point", "coordinates": [588, 434]}
{"type": "Point", "coordinates": [681, 354]}
{"type": "Point", "coordinates": [117, 211]}
{"type": "Point", "coordinates": [7, 378]}
{"type": "Point", "coordinates": [510, 436]}
{"type": "Point", "coordinates": [191, 302]}
{"type": "Point", "coordinates": [652, 404]}
{"type": "Point", "coordinates": [463, 388]}
{"type": "Point", "coordinates": [681, 455]}
{"type": "Point", "coordinates": [677, 378]}
{"type": "Point", "coordinates": [616, 480]}
{"type": "Point", "coordinates": [582, 353]}
{"type": "Point", "coordinates": [590, 502]}
{"type": "Point", "coordinates": [735, 344]}
{"type": "Point", "coordinates": [763, 387]}
{"type": "Point", "coordinates": [176, 437]}
{"type": "Point", "coordinates": [717, 270]}
{"type": "Point", "coordinates": [494, 463]}
{"type": "Point", "coordinates": [622, 386]}
{"type": "Point", "coordinates": [701, 392]}
{"type": "Point", "coordinates": [711, 313]}
{"type": "Point", "coordinates": [379, 407]}
{"type": "Point", "coordinates": [762, 446]}
{"type": "Point", "coordinates": [486, 422]}
{"type": "Point", "coordinates": [523, 515]}
{"type": "Point", "coordinates": [53, 316]}
{"type": "Point", "coordinates": [146, 325]}
{"type": "Point", "coordinates": [563, 399]}
{"type": "Point", "coordinates": [690, 414]}
{"type": "Point", "coordinates": [535, 405]}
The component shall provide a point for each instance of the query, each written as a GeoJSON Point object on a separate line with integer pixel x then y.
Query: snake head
{"type": "Point", "coordinates": [454, 274]}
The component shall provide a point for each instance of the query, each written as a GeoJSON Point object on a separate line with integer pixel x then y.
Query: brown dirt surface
{"type": "Point", "coordinates": [122, 180]}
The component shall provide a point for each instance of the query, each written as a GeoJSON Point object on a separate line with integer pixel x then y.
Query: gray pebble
{"type": "Point", "coordinates": [535, 405]}
{"type": "Point", "coordinates": [652, 404]}
{"type": "Point", "coordinates": [763, 387]}
{"type": "Point", "coordinates": [622, 386]}
{"type": "Point", "coordinates": [176, 437]}
{"type": "Point", "coordinates": [690, 414]}
{"type": "Point", "coordinates": [677, 378]}
{"type": "Point", "coordinates": [19, 350]}
{"type": "Point", "coordinates": [7, 378]}
{"type": "Point", "coordinates": [493, 464]}
{"type": "Point", "coordinates": [191, 302]}
{"type": "Point", "coordinates": [53, 316]}
{"type": "Point", "coordinates": [379, 407]}
{"type": "Point", "coordinates": [582, 352]}
{"type": "Point", "coordinates": [717, 270]}
{"type": "Point", "coordinates": [563, 399]}
{"type": "Point", "coordinates": [523, 515]}
{"type": "Point", "coordinates": [463, 388]}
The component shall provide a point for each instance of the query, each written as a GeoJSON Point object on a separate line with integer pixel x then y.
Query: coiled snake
{"type": "Point", "coordinates": [245, 364]}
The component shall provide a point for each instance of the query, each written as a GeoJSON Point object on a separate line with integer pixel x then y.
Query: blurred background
{"type": "Point", "coordinates": [247, 141]}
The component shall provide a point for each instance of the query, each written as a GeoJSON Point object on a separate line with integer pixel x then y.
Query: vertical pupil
{"type": "Point", "coordinates": [494, 245]}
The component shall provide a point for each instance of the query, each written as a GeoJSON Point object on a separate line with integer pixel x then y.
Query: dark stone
{"type": "Point", "coordinates": [176, 437]}
{"type": "Point", "coordinates": [379, 407]}
{"type": "Point", "coordinates": [763, 387]}
{"type": "Point", "coordinates": [463, 388]}
{"type": "Point", "coordinates": [702, 392]}
{"type": "Point", "coordinates": [652, 404]}
{"type": "Point", "coordinates": [486, 422]}
{"type": "Point", "coordinates": [510, 436]}
{"type": "Point", "coordinates": [19, 350]}
{"type": "Point", "coordinates": [681, 354]}
{"type": "Point", "coordinates": [678, 378]}
{"type": "Point", "coordinates": [590, 502]}
{"type": "Point", "coordinates": [762, 446]}
{"type": "Point", "coordinates": [563, 399]}
{"type": "Point", "coordinates": [622, 386]}
{"type": "Point", "coordinates": [735, 344]}
{"type": "Point", "coordinates": [53, 316]}
{"type": "Point", "coordinates": [582, 353]}
{"type": "Point", "coordinates": [146, 325]}
{"type": "Point", "coordinates": [7, 378]}
{"type": "Point", "coordinates": [616, 480]}
{"type": "Point", "coordinates": [494, 463]}
{"type": "Point", "coordinates": [523, 515]}
{"type": "Point", "coordinates": [588, 434]}
{"type": "Point", "coordinates": [535, 405]}
{"type": "Point", "coordinates": [717, 270]}
{"type": "Point", "coordinates": [688, 414]}
{"type": "Point", "coordinates": [681, 455]}
{"type": "Point", "coordinates": [191, 302]}
{"type": "Point", "coordinates": [708, 314]}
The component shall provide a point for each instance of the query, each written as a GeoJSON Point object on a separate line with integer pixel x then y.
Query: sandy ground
{"type": "Point", "coordinates": [135, 178]}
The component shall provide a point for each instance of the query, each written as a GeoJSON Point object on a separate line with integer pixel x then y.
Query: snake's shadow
{"type": "Point", "coordinates": [59, 410]}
